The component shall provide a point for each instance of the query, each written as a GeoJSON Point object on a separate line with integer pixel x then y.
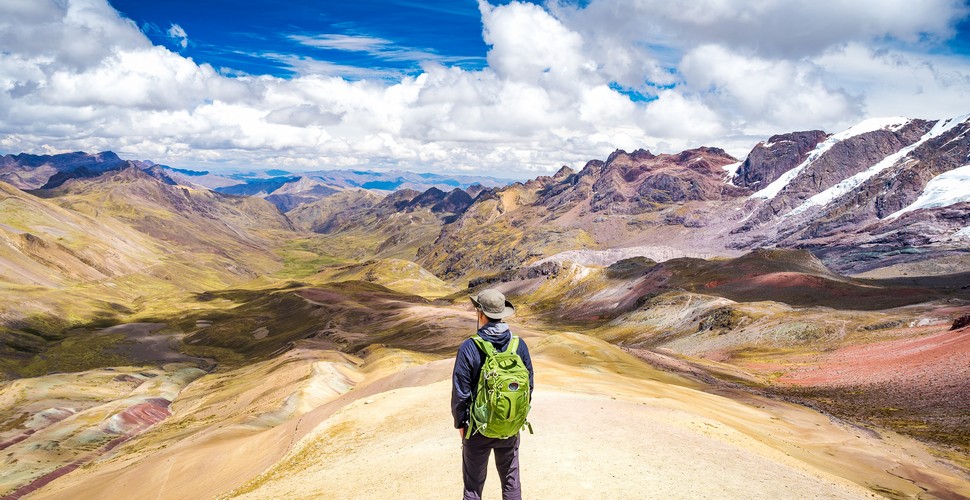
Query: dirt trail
{"type": "Point", "coordinates": [605, 449]}
{"type": "Point", "coordinates": [608, 427]}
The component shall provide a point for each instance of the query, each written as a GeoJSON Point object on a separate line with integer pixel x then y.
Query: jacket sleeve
{"type": "Point", "coordinates": [523, 352]}
{"type": "Point", "coordinates": [462, 385]}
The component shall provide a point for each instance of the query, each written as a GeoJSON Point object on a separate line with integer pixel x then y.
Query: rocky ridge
{"type": "Point", "coordinates": [861, 199]}
{"type": "Point", "coordinates": [857, 198]}
{"type": "Point", "coordinates": [27, 171]}
{"type": "Point", "coordinates": [858, 195]}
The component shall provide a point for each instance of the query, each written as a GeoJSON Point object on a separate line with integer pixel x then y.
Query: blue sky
{"type": "Point", "coordinates": [508, 88]}
{"type": "Point", "coordinates": [392, 35]}
{"type": "Point", "coordinates": [372, 39]}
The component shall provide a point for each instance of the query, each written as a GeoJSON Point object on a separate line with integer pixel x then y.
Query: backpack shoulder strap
{"type": "Point", "coordinates": [484, 345]}
{"type": "Point", "coordinates": [489, 349]}
{"type": "Point", "coordinates": [513, 345]}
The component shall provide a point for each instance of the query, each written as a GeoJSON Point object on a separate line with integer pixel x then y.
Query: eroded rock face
{"type": "Point", "coordinates": [506, 228]}
{"type": "Point", "coordinates": [438, 201]}
{"type": "Point", "coordinates": [631, 183]}
{"type": "Point", "coordinates": [874, 201]}
{"type": "Point", "coordinates": [961, 322]}
{"type": "Point", "coordinates": [426, 199]}
{"type": "Point", "coordinates": [843, 160]}
{"type": "Point", "coordinates": [572, 188]}
{"type": "Point", "coordinates": [769, 160]}
{"type": "Point", "coordinates": [860, 193]}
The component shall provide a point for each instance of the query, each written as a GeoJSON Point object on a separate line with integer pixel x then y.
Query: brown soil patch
{"type": "Point", "coordinates": [935, 362]}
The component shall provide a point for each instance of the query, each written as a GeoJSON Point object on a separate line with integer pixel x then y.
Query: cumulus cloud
{"type": "Point", "coordinates": [764, 94]}
{"type": "Point", "coordinates": [773, 65]}
{"type": "Point", "coordinates": [772, 28]}
{"type": "Point", "coordinates": [531, 46]}
{"type": "Point", "coordinates": [74, 35]}
{"type": "Point", "coordinates": [75, 75]}
{"type": "Point", "coordinates": [895, 82]}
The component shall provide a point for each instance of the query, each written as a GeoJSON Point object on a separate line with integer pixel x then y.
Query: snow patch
{"type": "Point", "coordinates": [893, 123]}
{"type": "Point", "coordinates": [772, 190]}
{"type": "Point", "coordinates": [948, 188]}
{"type": "Point", "coordinates": [851, 183]}
{"type": "Point", "coordinates": [730, 170]}
{"type": "Point", "coordinates": [769, 145]}
{"type": "Point", "coordinates": [897, 127]}
{"type": "Point", "coordinates": [963, 234]}
{"type": "Point", "coordinates": [926, 322]}
{"type": "Point", "coordinates": [870, 125]}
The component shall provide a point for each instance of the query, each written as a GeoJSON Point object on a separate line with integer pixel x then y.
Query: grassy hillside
{"type": "Point", "coordinates": [97, 252]}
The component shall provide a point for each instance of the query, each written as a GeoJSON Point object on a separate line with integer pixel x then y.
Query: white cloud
{"type": "Point", "coordinates": [676, 116]}
{"type": "Point", "coordinates": [342, 42]}
{"type": "Point", "coordinates": [378, 47]}
{"type": "Point", "coordinates": [773, 65]}
{"type": "Point", "coordinates": [75, 75]}
{"type": "Point", "coordinates": [762, 94]}
{"type": "Point", "coordinates": [895, 82]}
{"type": "Point", "coordinates": [531, 46]}
{"type": "Point", "coordinates": [178, 35]}
{"type": "Point", "coordinates": [75, 34]}
{"type": "Point", "coordinates": [773, 28]}
{"type": "Point", "coordinates": [302, 65]}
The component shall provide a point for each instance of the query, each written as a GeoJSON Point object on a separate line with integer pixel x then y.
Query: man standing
{"type": "Point", "coordinates": [492, 309]}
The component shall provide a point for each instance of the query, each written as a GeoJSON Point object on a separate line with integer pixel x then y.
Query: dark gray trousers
{"type": "Point", "coordinates": [474, 465]}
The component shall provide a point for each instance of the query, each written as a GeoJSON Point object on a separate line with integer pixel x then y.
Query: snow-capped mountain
{"type": "Point", "coordinates": [883, 185]}
{"type": "Point", "coordinates": [886, 191]}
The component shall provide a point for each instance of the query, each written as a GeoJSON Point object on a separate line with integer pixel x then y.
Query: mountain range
{"type": "Point", "coordinates": [887, 197]}
{"type": "Point", "coordinates": [154, 316]}
{"type": "Point", "coordinates": [884, 193]}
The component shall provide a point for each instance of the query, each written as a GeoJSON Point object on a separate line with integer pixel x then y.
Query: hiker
{"type": "Point", "coordinates": [495, 338]}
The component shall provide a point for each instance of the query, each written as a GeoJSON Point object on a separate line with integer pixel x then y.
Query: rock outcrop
{"type": "Point", "coordinates": [856, 197]}
{"type": "Point", "coordinates": [781, 153]}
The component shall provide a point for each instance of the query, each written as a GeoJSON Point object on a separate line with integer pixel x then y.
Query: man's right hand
{"type": "Point", "coordinates": [461, 432]}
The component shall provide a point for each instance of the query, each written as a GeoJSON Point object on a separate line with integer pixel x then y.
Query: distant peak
{"type": "Point", "coordinates": [642, 154]}
{"type": "Point", "coordinates": [809, 135]}
{"type": "Point", "coordinates": [615, 154]}
{"type": "Point", "coordinates": [107, 156]}
{"type": "Point", "coordinates": [81, 165]}
{"type": "Point", "coordinates": [638, 155]}
{"type": "Point", "coordinates": [563, 173]}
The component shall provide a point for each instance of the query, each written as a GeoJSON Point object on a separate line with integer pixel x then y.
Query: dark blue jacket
{"type": "Point", "coordinates": [468, 367]}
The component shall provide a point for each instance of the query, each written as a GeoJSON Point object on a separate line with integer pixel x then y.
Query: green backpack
{"type": "Point", "coordinates": [501, 402]}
